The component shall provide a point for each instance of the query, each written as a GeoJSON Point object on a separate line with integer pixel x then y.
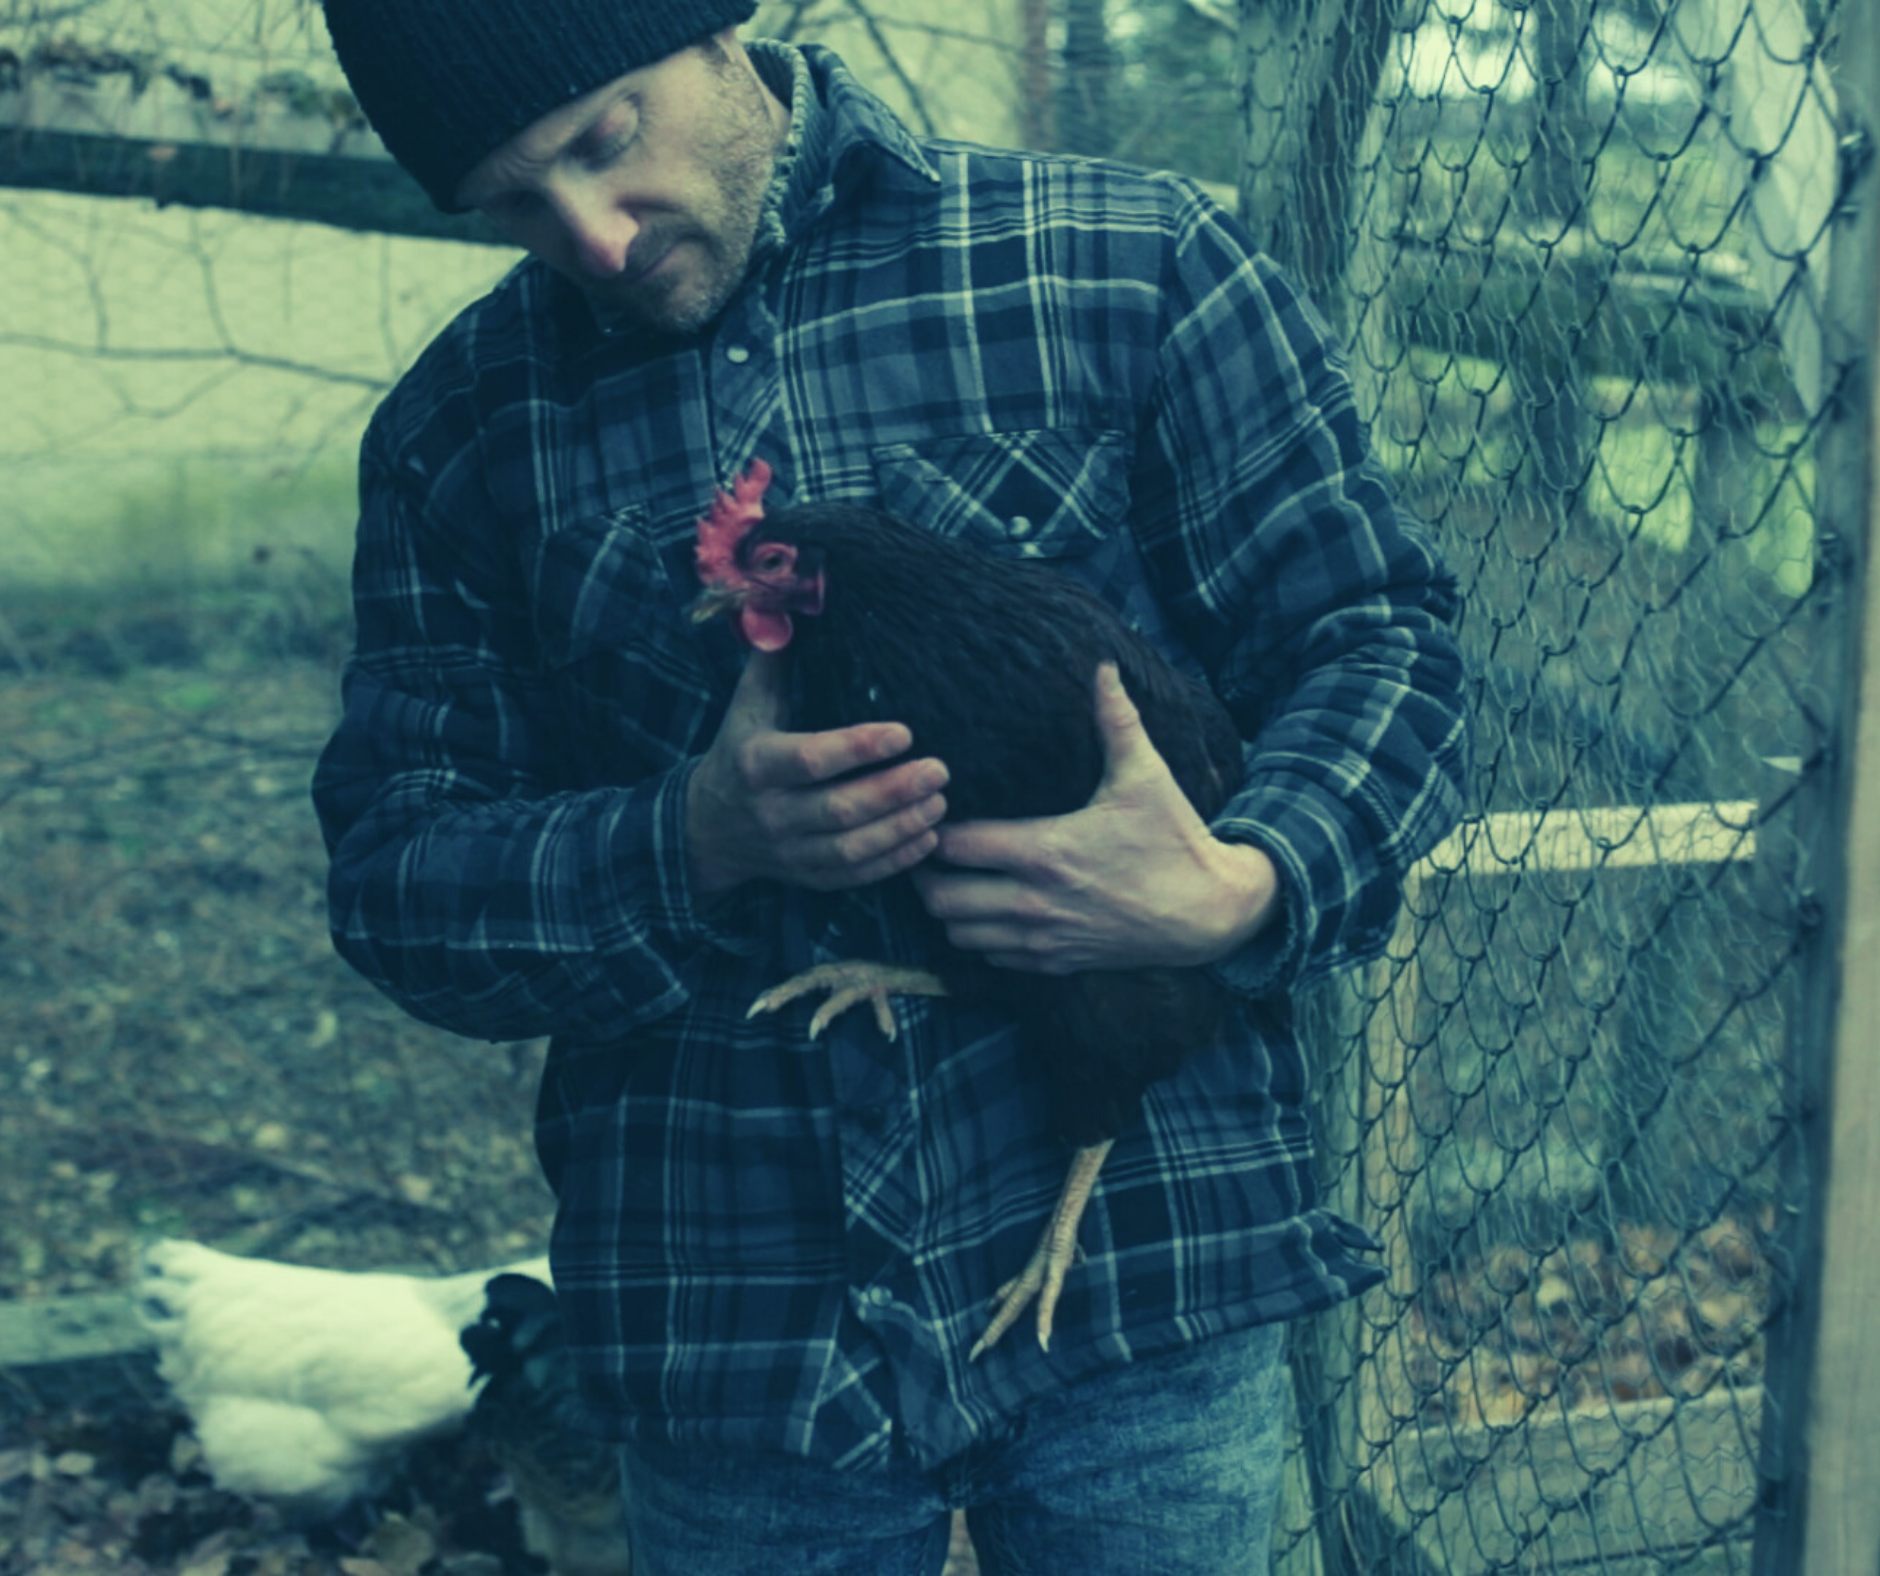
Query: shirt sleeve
{"type": "Point", "coordinates": [1320, 608]}
{"type": "Point", "coordinates": [467, 880]}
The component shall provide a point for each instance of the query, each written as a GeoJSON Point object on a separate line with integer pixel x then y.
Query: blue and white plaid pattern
{"type": "Point", "coordinates": [786, 1245]}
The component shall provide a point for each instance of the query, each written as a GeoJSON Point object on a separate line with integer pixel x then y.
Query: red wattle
{"type": "Point", "coordinates": [765, 631]}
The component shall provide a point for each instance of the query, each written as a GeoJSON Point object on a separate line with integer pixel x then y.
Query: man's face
{"type": "Point", "coordinates": [645, 192]}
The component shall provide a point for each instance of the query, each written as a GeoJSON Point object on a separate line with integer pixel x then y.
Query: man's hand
{"type": "Point", "coordinates": [1132, 879]}
{"type": "Point", "coordinates": [764, 803]}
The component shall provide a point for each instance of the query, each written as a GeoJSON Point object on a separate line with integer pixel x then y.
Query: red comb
{"type": "Point", "coordinates": [720, 531]}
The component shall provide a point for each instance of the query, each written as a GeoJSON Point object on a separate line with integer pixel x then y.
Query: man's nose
{"type": "Point", "coordinates": [599, 233]}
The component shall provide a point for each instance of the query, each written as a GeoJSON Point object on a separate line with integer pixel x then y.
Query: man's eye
{"type": "Point", "coordinates": [607, 151]}
{"type": "Point", "coordinates": [610, 140]}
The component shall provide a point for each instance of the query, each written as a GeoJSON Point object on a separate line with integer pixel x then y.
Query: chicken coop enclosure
{"type": "Point", "coordinates": [1605, 273]}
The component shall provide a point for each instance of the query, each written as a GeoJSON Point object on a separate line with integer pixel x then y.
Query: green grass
{"type": "Point", "coordinates": [195, 561]}
{"type": "Point", "coordinates": [185, 521]}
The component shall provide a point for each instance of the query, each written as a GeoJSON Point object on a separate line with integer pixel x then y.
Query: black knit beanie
{"type": "Point", "coordinates": [445, 82]}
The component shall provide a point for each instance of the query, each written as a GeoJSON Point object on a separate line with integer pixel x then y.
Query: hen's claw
{"type": "Point", "coordinates": [847, 984]}
{"type": "Point", "coordinates": [1042, 1279]}
{"type": "Point", "coordinates": [1057, 1250]}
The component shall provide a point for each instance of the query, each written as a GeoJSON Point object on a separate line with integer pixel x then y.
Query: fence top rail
{"type": "Point", "coordinates": [1606, 837]}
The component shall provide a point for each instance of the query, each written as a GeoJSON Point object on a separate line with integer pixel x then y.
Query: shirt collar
{"type": "Point", "coordinates": [856, 129]}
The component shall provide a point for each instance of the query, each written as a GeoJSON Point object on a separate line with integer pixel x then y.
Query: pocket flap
{"type": "Point", "coordinates": [1046, 493]}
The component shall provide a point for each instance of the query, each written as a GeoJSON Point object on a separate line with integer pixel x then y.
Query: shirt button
{"type": "Point", "coordinates": [737, 354]}
{"type": "Point", "coordinates": [1020, 525]}
{"type": "Point", "coordinates": [871, 1118]}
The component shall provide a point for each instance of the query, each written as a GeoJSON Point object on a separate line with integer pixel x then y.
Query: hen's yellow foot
{"type": "Point", "coordinates": [1057, 1250]}
{"type": "Point", "coordinates": [847, 984]}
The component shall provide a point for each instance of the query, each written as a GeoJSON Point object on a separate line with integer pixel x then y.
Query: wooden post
{"type": "Point", "coordinates": [1822, 1444]}
{"type": "Point", "coordinates": [1308, 75]}
{"type": "Point", "coordinates": [1365, 1485]}
{"type": "Point", "coordinates": [1842, 1425]}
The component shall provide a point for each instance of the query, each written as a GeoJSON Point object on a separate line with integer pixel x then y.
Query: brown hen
{"type": "Point", "coordinates": [990, 663]}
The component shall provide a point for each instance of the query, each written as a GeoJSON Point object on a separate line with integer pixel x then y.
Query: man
{"type": "Point", "coordinates": [555, 806]}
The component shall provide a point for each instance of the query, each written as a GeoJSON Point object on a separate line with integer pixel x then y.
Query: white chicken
{"type": "Point", "coordinates": [306, 1385]}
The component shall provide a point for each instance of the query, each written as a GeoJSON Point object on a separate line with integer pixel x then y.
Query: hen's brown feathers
{"type": "Point", "coordinates": [991, 663]}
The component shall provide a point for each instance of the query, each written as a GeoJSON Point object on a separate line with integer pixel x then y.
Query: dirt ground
{"type": "Point", "coordinates": [182, 1052]}
{"type": "Point", "coordinates": [127, 1497]}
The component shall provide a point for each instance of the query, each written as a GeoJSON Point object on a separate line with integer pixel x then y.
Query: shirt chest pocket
{"type": "Point", "coordinates": [624, 664]}
{"type": "Point", "coordinates": [1046, 493]}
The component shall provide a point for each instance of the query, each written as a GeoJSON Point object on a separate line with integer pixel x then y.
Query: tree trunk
{"type": "Point", "coordinates": [1550, 199]}
{"type": "Point", "coordinates": [1084, 97]}
{"type": "Point", "coordinates": [1038, 115]}
{"type": "Point", "coordinates": [1309, 73]}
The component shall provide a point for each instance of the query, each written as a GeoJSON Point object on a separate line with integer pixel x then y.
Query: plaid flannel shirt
{"type": "Point", "coordinates": [764, 1241]}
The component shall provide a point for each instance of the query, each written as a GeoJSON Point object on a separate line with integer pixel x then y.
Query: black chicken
{"type": "Point", "coordinates": [870, 609]}
{"type": "Point", "coordinates": [530, 1413]}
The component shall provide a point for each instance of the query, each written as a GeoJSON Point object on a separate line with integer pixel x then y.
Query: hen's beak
{"type": "Point", "coordinates": [711, 604]}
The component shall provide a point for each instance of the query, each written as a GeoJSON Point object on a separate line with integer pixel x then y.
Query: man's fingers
{"type": "Point", "coordinates": [961, 898]}
{"type": "Point", "coordinates": [1016, 846]}
{"type": "Point", "coordinates": [801, 760]}
{"type": "Point", "coordinates": [1119, 722]}
{"type": "Point", "coordinates": [904, 856]}
{"type": "Point", "coordinates": [831, 809]}
{"type": "Point", "coordinates": [844, 750]}
{"type": "Point", "coordinates": [870, 853]}
{"type": "Point", "coordinates": [759, 717]}
{"type": "Point", "coordinates": [868, 840]}
{"type": "Point", "coordinates": [911, 788]}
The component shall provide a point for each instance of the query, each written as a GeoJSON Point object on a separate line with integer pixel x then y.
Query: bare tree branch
{"type": "Point", "coordinates": [183, 354]}
{"type": "Point", "coordinates": [22, 14]}
{"type": "Point", "coordinates": [800, 13]}
{"type": "Point", "coordinates": [915, 100]}
{"type": "Point", "coordinates": [1220, 13]}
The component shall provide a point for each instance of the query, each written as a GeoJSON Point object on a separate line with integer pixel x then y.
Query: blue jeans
{"type": "Point", "coordinates": [1168, 1465]}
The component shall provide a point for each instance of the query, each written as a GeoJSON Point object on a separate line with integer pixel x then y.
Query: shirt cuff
{"type": "Point", "coordinates": [646, 848]}
{"type": "Point", "coordinates": [1305, 836]}
{"type": "Point", "coordinates": [1272, 959]}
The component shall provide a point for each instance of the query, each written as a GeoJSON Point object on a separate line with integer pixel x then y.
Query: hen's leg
{"type": "Point", "coordinates": [848, 983]}
{"type": "Point", "coordinates": [1043, 1277]}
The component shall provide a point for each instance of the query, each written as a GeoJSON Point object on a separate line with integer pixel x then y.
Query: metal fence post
{"type": "Point", "coordinates": [1822, 1440]}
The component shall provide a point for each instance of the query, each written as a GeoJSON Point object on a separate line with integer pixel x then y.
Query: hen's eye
{"type": "Point", "coordinates": [770, 562]}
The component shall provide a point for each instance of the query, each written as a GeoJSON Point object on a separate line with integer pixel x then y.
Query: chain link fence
{"type": "Point", "coordinates": [1578, 251]}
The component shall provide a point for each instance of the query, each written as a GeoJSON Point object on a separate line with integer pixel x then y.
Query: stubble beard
{"type": "Point", "coordinates": [722, 232]}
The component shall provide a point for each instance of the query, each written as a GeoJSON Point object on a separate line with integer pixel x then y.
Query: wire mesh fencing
{"type": "Point", "coordinates": [1578, 252]}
